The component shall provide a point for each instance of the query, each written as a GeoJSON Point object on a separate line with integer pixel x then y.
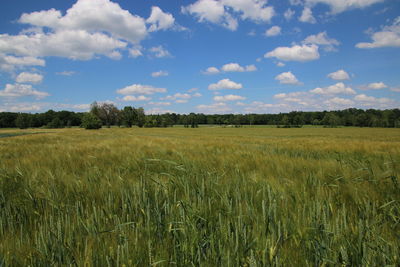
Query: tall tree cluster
{"type": "Point", "coordinates": [107, 114]}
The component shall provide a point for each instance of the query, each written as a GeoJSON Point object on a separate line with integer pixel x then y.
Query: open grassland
{"type": "Point", "coordinates": [206, 196]}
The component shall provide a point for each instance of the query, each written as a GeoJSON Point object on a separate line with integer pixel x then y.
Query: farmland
{"type": "Point", "coordinates": [209, 196]}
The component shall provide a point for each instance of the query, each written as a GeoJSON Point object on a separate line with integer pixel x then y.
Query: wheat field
{"type": "Point", "coordinates": [200, 197]}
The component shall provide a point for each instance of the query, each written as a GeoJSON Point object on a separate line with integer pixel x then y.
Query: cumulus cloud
{"type": "Point", "coordinates": [73, 44]}
{"type": "Point", "coordinates": [132, 98]}
{"type": "Point", "coordinates": [211, 11]}
{"type": "Point", "coordinates": [235, 67]}
{"type": "Point", "coordinates": [160, 103]}
{"type": "Point", "coordinates": [307, 16]}
{"type": "Point", "coordinates": [160, 20]}
{"type": "Point", "coordinates": [218, 12]}
{"type": "Point", "coordinates": [378, 102]}
{"type": "Point", "coordinates": [159, 52]}
{"type": "Point", "coordinates": [178, 96]}
{"type": "Point", "coordinates": [338, 6]}
{"type": "Point", "coordinates": [158, 111]}
{"type": "Point", "coordinates": [159, 73]}
{"type": "Point", "coordinates": [26, 77]}
{"type": "Point", "coordinates": [289, 13]}
{"type": "Point", "coordinates": [9, 63]}
{"type": "Point", "coordinates": [338, 101]}
{"type": "Point", "coordinates": [374, 86]}
{"type": "Point", "coordinates": [273, 31]}
{"type": "Point", "coordinates": [339, 88]}
{"type": "Point", "coordinates": [339, 75]}
{"type": "Point", "coordinates": [389, 36]}
{"type": "Point", "coordinates": [215, 108]}
{"type": "Point", "coordinates": [287, 78]}
{"type": "Point", "coordinates": [322, 39]}
{"type": "Point", "coordinates": [220, 98]}
{"type": "Point", "coordinates": [395, 89]}
{"type": "Point", "coordinates": [225, 84]}
{"type": "Point", "coordinates": [211, 70]}
{"type": "Point", "coordinates": [140, 89]}
{"type": "Point", "coordinates": [21, 90]}
{"type": "Point", "coordinates": [88, 29]}
{"type": "Point", "coordinates": [301, 53]}
{"type": "Point", "coordinates": [92, 15]}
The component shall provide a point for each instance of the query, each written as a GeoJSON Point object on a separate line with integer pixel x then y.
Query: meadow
{"type": "Point", "coordinates": [209, 196]}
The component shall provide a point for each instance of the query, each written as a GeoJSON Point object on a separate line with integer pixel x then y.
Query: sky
{"type": "Point", "coordinates": [202, 56]}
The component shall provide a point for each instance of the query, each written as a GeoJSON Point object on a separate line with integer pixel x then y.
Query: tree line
{"type": "Point", "coordinates": [107, 115]}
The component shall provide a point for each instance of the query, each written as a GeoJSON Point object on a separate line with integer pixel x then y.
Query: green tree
{"type": "Point", "coordinates": [129, 116]}
{"type": "Point", "coordinates": [22, 121]}
{"type": "Point", "coordinates": [141, 117]}
{"type": "Point", "coordinates": [91, 121]}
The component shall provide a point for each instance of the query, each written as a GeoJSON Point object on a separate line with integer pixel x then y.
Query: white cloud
{"type": "Point", "coordinates": [159, 73]}
{"type": "Point", "coordinates": [374, 86]}
{"type": "Point", "coordinates": [160, 103]}
{"type": "Point", "coordinates": [197, 95]}
{"type": "Point", "coordinates": [26, 77]}
{"type": "Point", "coordinates": [322, 39]}
{"type": "Point", "coordinates": [215, 108]}
{"type": "Point", "coordinates": [211, 11]}
{"type": "Point", "coordinates": [66, 73]}
{"type": "Point", "coordinates": [220, 98]}
{"type": "Point", "coordinates": [339, 75]}
{"type": "Point", "coordinates": [339, 88]}
{"type": "Point", "coordinates": [338, 101]}
{"type": "Point", "coordinates": [91, 16]}
{"type": "Point", "coordinates": [21, 90]}
{"type": "Point", "coordinates": [224, 84]}
{"type": "Point", "coordinates": [211, 70]}
{"type": "Point", "coordinates": [289, 13]}
{"type": "Point", "coordinates": [178, 96]}
{"type": "Point", "coordinates": [307, 16]}
{"type": "Point", "coordinates": [273, 31]}
{"type": "Point", "coordinates": [160, 20]}
{"type": "Point", "coordinates": [389, 36]}
{"type": "Point", "coordinates": [395, 89]}
{"type": "Point", "coordinates": [158, 111]}
{"type": "Point", "coordinates": [217, 11]}
{"type": "Point", "coordinates": [181, 101]}
{"type": "Point", "coordinates": [338, 6]}
{"type": "Point", "coordinates": [378, 102]}
{"type": "Point", "coordinates": [235, 67]}
{"type": "Point", "coordinates": [255, 10]}
{"type": "Point", "coordinates": [295, 53]}
{"type": "Point", "coordinates": [160, 52]}
{"type": "Point", "coordinates": [287, 78]}
{"type": "Point", "coordinates": [140, 89]}
{"type": "Point", "coordinates": [280, 64]}
{"type": "Point", "coordinates": [73, 44]}
{"type": "Point", "coordinates": [131, 98]}
{"type": "Point", "coordinates": [135, 52]}
{"type": "Point", "coordinates": [9, 63]}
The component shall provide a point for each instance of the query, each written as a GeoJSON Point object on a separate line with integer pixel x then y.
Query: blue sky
{"type": "Point", "coordinates": [209, 56]}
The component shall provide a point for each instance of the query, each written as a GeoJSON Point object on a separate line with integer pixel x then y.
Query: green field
{"type": "Point", "coordinates": [200, 197]}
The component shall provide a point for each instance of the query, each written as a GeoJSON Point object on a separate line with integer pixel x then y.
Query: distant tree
{"type": "Point", "coordinates": [22, 121]}
{"type": "Point", "coordinates": [285, 121]}
{"type": "Point", "coordinates": [55, 123]}
{"type": "Point", "coordinates": [141, 117]}
{"type": "Point", "coordinates": [129, 116]}
{"type": "Point", "coordinates": [331, 120]}
{"type": "Point", "coordinates": [106, 112]}
{"type": "Point", "coordinates": [91, 121]}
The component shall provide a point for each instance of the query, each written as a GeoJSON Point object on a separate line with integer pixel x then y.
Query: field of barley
{"type": "Point", "coordinates": [200, 197]}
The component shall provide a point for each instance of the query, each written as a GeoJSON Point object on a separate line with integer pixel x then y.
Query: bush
{"type": "Point", "coordinates": [90, 121]}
